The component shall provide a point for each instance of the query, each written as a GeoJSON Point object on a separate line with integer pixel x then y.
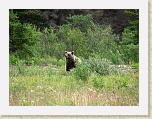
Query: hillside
{"type": "Point", "coordinates": [56, 17]}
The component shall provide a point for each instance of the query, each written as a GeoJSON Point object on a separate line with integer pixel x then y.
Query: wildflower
{"type": "Point", "coordinates": [32, 101]}
{"type": "Point", "coordinates": [118, 51]}
{"type": "Point", "coordinates": [90, 89]}
{"type": "Point", "coordinates": [100, 95]}
{"type": "Point", "coordinates": [94, 91]}
{"type": "Point", "coordinates": [39, 87]}
{"type": "Point", "coordinates": [32, 91]}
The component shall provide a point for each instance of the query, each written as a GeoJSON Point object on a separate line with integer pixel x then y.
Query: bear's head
{"type": "Point", "coordinates": [70, 55]}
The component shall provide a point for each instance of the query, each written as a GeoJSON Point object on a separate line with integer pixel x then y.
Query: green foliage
{"type": "Point", "coordinates": [21, 37]}
{"type": "Point", "coordinates": [21, 66]}
{"type": "Point", "coordinates": [53, 60]}
{"type": "Point", "coordinates": [80, 34]}
{"type": "Point", "coordinates": [60, 62]}
{"type": "Point", "coordinates": [47, 85]}
{"type": "Point", "coordinates": [135, 66]}
{"type": "Point", "coordinates": [134, 25]}
{"type": "Point", "coordinates": [31, 16]}
{"type": "Point", "coordinates": [43, 61]}
{"type": "Point", "coordinates": [115, 82]}
{"type": "Point", "coordinates": [81, 22]}
{"type": "Point", "coordinates": [97, 81]}
{"type": "Point", "coordinates": [49, 44]}
{"type": "Point", "coordinates": [129, 46]}
{"type": "Point", "coordinates": [100, 41]}
{"type": "Point", "coordinates": [130, 53]}
{"type": "Point", "coordinates": [75, 41]}
{"type": "Point", "coordinates": [116, 58]}
{"type": "Point", "coordinates": [101, 66]}
{"type": "Point", "coordinates": [13, 60]}
{"type": "Point", "coordinates": [96, 39]}
{"type": "Point", "coordinates": [81, 72]}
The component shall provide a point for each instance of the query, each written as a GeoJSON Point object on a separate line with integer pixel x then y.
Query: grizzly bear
{"type": "Point", "coordinates": [70, 60]}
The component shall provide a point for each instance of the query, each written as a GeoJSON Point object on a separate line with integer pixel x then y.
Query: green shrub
{"type": "Point", "coordinates": [13, 60]}
{"type": "Point", "coordinates": [79, 34]}
{"type": "Point", "coordinates": [22, 37]}
{"type": "Point", "coordinates": [81, 72]}
{"type": "Point", "coordinates": [61, 62]}
{"type": "Point", "coordinates": [135, 66]}
{"type": "Point", "coordinates": [100, 66]}
{"type": "Point", "coordinates": [35, 61]}
{"type": "Point", "coordinates": [116, 58]}
{"type": "Point", "coordinates": [32, 61]}
{"type": "Point", "coordinates": [97, 81]}
{"type": "Point", "coordinates": [53, 60]}
{"type": "Point", "coordinates": [80, 21]}
{"type": "Point", "coordinates": [130, 53]}
{"type": "Point", "coordinates": [116, 82]}
{"type": "Point", "coordinates": [129, 45]}
{"type": "Point", "coordinates": [21, 66]}
{"type": "Point", "coordinates": [42, 62]}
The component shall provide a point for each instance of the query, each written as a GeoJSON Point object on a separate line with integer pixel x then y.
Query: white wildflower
{"type": "Point", "coordinates": [32, 91]}
{"type": "Point", "coordinates": [32, 101]}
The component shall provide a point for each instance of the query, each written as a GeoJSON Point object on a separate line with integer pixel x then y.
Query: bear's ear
{"type": "Point", "coordinates": [65, 51]}
{"type": "Point", "coordinates": [72, 52]}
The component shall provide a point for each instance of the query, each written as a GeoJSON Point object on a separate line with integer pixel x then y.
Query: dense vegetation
{"type": "Point", "coordinates": [108, 74]}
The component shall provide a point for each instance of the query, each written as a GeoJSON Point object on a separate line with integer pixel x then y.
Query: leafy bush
{"type": "Point", "coordinates": [13, 60]}
{"type": "Point", "coordinates": [53, 60]}
{"type": "Point", "coordinates": [21, 66]}
{"type": "Point", "coordinates": [129, 46]}
{"type": "Point", "coordinates": [79, 34]}
{"type": "Point", "coordinates": [116, 58]}
{"type": "Point", "coordinates": [99, 41]}
{"type": "Point", "coordinates": [97, 82]}
{"type": "Point", "coordinates": [101, 66]}
{"type": "Point", "coordinates": [81, 72]}
{"type": "Point", "coordinates": [130, 53]}
{"type": "Point", "coordinates": [53, 42]}
{"type": "Point", "coordinates": [22, 37]}
{"type": "Point", "coordinates": [135, 66]}
{"type": "Point", "coordinates": [61, 62]}
{"type": "Point", "coordinates": [117, 82]}
{"type": "Point", "coordinates": [81, 22]}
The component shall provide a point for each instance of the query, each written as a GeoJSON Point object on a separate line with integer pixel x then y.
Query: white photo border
{"type": "Point", "coordinates": [142, 109]}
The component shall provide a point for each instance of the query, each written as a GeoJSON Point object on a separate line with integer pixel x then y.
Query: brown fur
{"type": "Point", "coordinates": [70, 60]}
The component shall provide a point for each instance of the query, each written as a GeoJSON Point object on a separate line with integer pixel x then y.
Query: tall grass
{"type": "Point", "coordinates": [51, 86]}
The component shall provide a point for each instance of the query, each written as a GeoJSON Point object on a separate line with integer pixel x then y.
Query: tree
{"type": "Point", "coordinates": [21, 36]}
{"type": "Point", "coordinates": [30, 16]}
{"type": "Point", "coordinates": [129, 45]}
{"type": "Point", "coordinates": [81, 22]}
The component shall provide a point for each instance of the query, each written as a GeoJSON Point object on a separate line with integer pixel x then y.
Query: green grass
{"type": "Point", "coordinates": [52, 86]}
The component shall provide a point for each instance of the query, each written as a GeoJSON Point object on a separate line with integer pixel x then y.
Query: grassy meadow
{"type": "Point", "coordinates": [51, 85]}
